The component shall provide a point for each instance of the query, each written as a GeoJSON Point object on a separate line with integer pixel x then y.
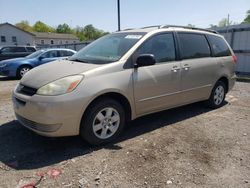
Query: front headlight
{"type": "Point", "coordinates": [3, 65]}
{"type": "Point", "coordinates": [61, 86]}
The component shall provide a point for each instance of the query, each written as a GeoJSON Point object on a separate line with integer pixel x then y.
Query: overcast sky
{"type": "Point", "coordinates": [134, 13]}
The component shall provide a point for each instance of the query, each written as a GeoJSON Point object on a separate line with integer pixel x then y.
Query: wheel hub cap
{"type": "Point", "coordinates": [106, 123]}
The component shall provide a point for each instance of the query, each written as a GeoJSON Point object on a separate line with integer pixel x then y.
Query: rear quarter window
{"type": "Point", "coordinates": [30, 49]}
{"type": "Point", "coordinates": [219, 46]}
{"type": "Point", "coordinates": [193, 46]}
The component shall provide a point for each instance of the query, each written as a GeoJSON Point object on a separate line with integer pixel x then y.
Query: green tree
{"type": "Point", "coordinates": [224, 22]}
{"type": "Point", "coordinates": [247, 19]}
{"type": "Point", "coordinates": [63, 28]}
{"type": "Point", "coordinates": [24, 25]}
{"type": "Point", "coordinates": [89, 32]}
{"type": "Point", "coordinates": [42, 27]}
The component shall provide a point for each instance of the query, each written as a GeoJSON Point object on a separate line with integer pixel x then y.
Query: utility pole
{"type": "Point", "coordinates": [228, 20]}
{"type": "Point", "coordinates": [119, 21]}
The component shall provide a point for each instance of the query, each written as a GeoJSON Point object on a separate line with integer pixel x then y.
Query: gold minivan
{"type": "Point", "coordinates": [122, 76]}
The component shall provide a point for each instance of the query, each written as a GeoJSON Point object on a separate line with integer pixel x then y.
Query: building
{"type": "Point", "coordinates": [54, 38]}
{"type": "Point", "coordinates": [238, 36]}
{"type": "Point", "coordinates": [12, 35]}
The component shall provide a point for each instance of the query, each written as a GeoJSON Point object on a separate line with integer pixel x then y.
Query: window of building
{"type": "Point", "coordinates": [219, 46]}
{"type": "Point", "coordinates": [14, 39]}
{"type": "Point", "coordinates": [3, 39]}
{"type": "Point", "coordinates": [66, 42]}
{"type": "Point", "coordinates": [193, 46]}
{"type": "Point", "coordinates": [51, 42]}
{"type": "Point", "coordinates": [42, 41]}
{"type": "Point", "coordinates": [161, 46]}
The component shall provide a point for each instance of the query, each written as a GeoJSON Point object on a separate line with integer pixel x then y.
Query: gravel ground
{"type": "Point", "coordinates": [191, 146]}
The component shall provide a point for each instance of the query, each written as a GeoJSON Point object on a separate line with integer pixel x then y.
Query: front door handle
{"type": "Point", "coordinates": [175, 69]}
{"type": "Point", "coordinates": [186, 67]}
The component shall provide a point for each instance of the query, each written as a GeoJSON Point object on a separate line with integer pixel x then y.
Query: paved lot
{"type": "Point", "coordinates": [190, 146]}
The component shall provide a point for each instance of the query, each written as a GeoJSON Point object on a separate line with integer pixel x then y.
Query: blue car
{"type": "Point", "coordinates": [19, 66]}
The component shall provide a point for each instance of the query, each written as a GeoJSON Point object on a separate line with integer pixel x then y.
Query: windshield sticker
{"type": "Point", "coordinates": [133, 36]}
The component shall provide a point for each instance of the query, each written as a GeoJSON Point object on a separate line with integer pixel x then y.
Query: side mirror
{"type": "Point", "coordinates": [145, 60]}
{"type": "Point", "coordinates": [41, 58]}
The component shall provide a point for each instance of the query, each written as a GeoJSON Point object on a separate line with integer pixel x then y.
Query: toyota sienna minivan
{"type": "Point", "coordinates": [122, 76]}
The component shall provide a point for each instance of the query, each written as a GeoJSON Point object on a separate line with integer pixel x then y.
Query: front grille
{"type": "Point", "coordinates": [37, 126]}
{"type": "Point", "coordinates": [26, 90]}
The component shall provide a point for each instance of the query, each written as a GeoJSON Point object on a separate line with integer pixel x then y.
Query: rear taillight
{"type": "Point", "coordinates": [234, 58]}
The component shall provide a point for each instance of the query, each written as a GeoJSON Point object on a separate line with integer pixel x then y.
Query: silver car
{"type": "Point", "coordinates": [123, 76]}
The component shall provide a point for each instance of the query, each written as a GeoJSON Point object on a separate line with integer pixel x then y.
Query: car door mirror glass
{"type": "Point", "coordinates": [41, 58]}
{"type": "Point", "coordinates": [145, 60]}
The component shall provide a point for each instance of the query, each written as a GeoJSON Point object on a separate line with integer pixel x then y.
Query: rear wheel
{"type": "Point", "coordinates": [218, 95]}
{"type": "Point", "coordinates": [103, 121]}
{"type": "Point", "coordinates": [23, 70]}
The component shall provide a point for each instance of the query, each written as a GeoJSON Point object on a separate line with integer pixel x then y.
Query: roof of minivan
{"type": "Point", "coordinates": [170, 28]}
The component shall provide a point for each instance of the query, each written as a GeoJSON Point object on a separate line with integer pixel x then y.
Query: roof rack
{"type": "Point", "coordinates": [127, 29]}
{"type": "Point", "coordinates": [152, 26]}
{"type": "Point", "coordinates": [187, 27]}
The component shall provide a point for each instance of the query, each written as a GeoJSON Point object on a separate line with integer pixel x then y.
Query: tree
{"type": "Point", "coordinates": [24, 25]}
{"type": "Point", "coordinates": [42, 27]}
{"type": "Point", "coordinates": [224, 22]}
{"type": "Point", "coordinates": [247, 19]}
{"type": "Point", "coordinates": [190, 25]}
{"type": "Point", "coordinates": [63, 28]}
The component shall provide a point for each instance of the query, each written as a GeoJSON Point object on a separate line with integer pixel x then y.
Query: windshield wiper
{"type": "Point", "coordinates": [78, 60]}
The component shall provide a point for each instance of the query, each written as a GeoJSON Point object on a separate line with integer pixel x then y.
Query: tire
{"type": "Point", "coordinates": [21, 71]}
{"type": "Point", "coordinates": [103, 121]}
{"type": "Point", "coordinates": [217, 96]}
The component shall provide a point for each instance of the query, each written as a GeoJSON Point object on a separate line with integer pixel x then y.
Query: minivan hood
{"type": "Point", "coordinates": [52, 71]}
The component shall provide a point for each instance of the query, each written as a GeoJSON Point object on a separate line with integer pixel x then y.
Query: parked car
{"type": "Point", "coordinates": [19, 66]}
{"type": "Point", "coordinates": [123, 76]}
{"type": "Point", "coordinates": [9, 52]}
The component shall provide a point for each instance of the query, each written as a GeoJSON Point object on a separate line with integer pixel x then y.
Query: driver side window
{"type": "Point", "coordinates": [161, 46]}
{"type": "Point", "coordinates": [50, 54]}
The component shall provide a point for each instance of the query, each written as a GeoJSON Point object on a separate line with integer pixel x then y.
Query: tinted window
{"type": "Point", "coordinates": [219, 46]}
{"type": "Point", "coordinates": [30, 49]}
{"type": "Point", "coordinates": [18, 49]}
{"type": "Point", "coordinates": [6, 50]}
{"type": "Point", "coordinates": [161, 46]}
{"type": "Point", "coordinates": [65, 53]}
{"type": "Point", "coordinates": [193, 46]}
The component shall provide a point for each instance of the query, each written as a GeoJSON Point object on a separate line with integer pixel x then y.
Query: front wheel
{"type": "Point", "coordinates": [22, 71]}
{"type": "Point", "coordinates": [103, 121]}
{"type": "Point", "coordinates": [217, 96]}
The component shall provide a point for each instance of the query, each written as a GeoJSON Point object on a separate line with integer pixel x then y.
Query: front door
{"type": "Point", "coordinates": [157, 87]}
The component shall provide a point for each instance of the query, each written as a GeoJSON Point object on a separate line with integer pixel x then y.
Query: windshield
{"type": "Point", "coordinates": [35, 54]}
{"type": "Point", "coordinates": [107, 49]}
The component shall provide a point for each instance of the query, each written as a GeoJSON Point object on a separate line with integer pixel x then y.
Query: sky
{"type": "Point", "coordinates": [134, 13]}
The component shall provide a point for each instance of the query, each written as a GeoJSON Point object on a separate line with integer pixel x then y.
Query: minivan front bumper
{"type": "Point", "coordinates": [51, 116]}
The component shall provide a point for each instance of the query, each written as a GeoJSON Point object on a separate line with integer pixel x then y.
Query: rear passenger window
{"type": "Point", "coordinates": [193, 46]}
{"type": "Point", "coordinates": [161, 46]}
{"type": "Point", "coordinates": [219, 46]}
{"type": "Point", "coordinates": [18, 49]}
